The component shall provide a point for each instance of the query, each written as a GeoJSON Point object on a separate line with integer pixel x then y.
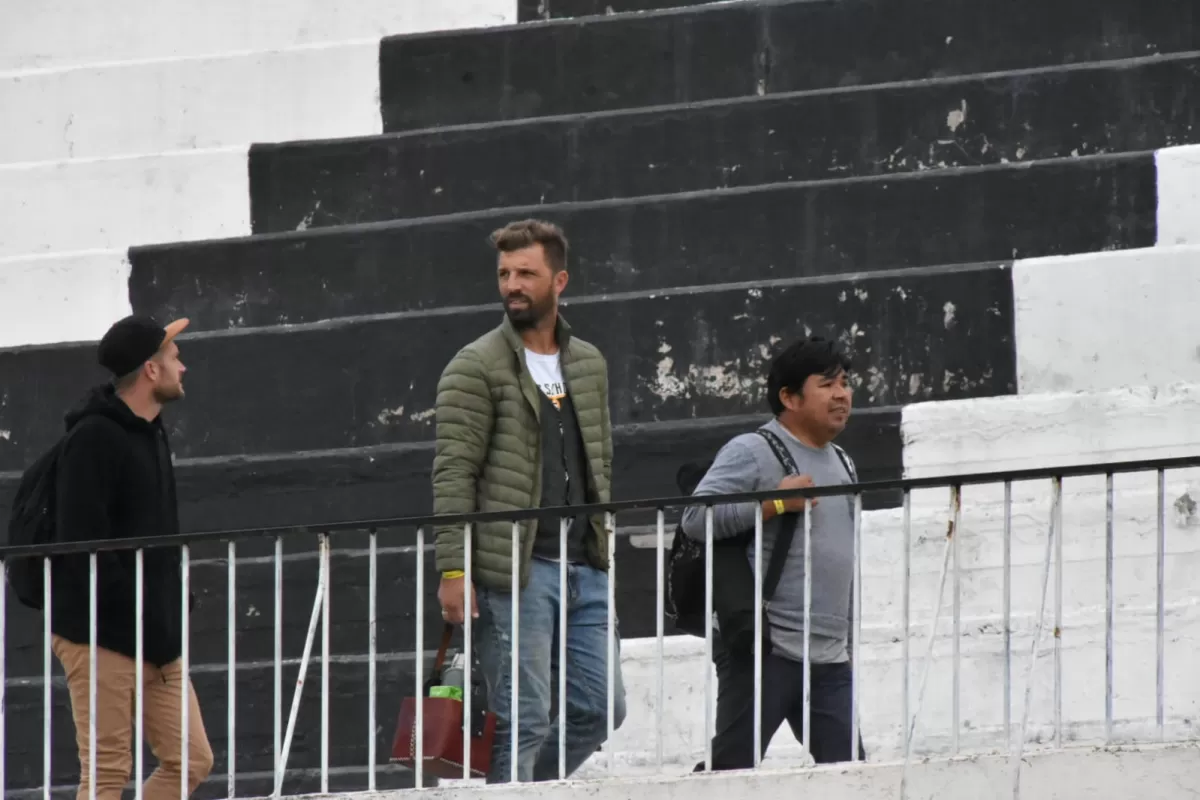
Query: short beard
{"type": "Point", "coordinates": [527, 318]}
{"type": "Point", "coordinates": [166, 396]}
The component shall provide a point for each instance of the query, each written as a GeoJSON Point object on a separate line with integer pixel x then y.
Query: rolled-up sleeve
{"type": "Point", "coordinates": [734, 470]}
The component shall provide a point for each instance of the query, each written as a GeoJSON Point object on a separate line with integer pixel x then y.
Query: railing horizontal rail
{"type": "Point", "coordinates": [642, 504]}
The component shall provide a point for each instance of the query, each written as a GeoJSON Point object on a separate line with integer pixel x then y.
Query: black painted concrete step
{"type": "Point", "coordinates": [393, 481]}
{"type": "Point", "coordinates": [531, 10]}
{"type": "Point", "coordinates": [645, 466]}
{"type": "Point", "coordinates": [923, 334]}
{"type": "Point", "coordinates": [744, 49]}
{"type": "Point", "coordinates": [1111, 107]}
{"type": "Point", "coordinates": [764, 233]}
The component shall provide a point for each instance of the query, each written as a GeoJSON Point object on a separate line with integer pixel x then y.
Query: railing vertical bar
{"type": "Point", "coordinates": [709, 722]}
{"type": "Point", "coordinates": [419, 666]}
{"type": "Point", "coordinates": [1007, 580]}
{"type": "Point", "coordinates": [3, 672]}
{"type": "Point", "coordinates": [610, 524]}
{"type": "Point", "coordinates": [660, 613]}
{"type": "Point", "coordinates": [1039, 630]}
{"type": "Point", "coordinates": [911, 724]}
{"type": "Point", "coordinates": [185, 571]}
{"type": "Point", "coordinates": [1058, 615]}
{"type": "Point", "coordinates": [1161, 607]}
{"type": "Point", "coordinates": [468, 622]}
{"type": "Point", "coordinates": [956, 589]}
{"type": "Point", "coordinates": [806, 690]}
{"type": "Point", "coordinates": [515, 663]}
{"type": "Point", "coordinates": [564, 597]}
{"type": "Point", "coordinates": [278, 719]}
{"type": "Point", "coordinates": [372, 647]}
{"type": "Point", "coordinates": [759, 611]}
{"type": "Point", "coordinates": [139, 671]}
{"type": "Point", "coordinates": [1109, 605]}
{"type": "Point", "coordinates": [327, 563]}
{"type": "Point", "coordinates": [231, 672]}
{"type": "Point", "coordinates": [856, 627]}
{"type": "Point", "coordinates": [93, 588]}
{"type": "Point", "coordinates": [906, 619]}
{"type": "Point", "coordinates": [47, 699]}
{"type": "Point", "coordinates": [309, 637]}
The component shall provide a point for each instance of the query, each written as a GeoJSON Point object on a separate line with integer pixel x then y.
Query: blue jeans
{"type": "Point", "coordinates": [587, 670]}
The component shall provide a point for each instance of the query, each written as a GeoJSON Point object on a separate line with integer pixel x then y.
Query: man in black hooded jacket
{"type": "Point", "coordinates": [115, 481]}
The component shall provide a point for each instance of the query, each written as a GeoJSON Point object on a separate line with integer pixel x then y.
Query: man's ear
{"type": "Point", "coordinates": [791, 400]}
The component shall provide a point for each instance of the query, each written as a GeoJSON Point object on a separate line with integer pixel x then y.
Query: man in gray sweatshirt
{"type": "Point", "coordinates": [808, 392]}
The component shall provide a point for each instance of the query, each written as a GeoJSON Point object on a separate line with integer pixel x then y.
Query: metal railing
{"type": "Point", "coordinates": [951, 567]}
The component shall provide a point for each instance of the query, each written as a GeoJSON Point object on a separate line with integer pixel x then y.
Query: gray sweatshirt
{"type": "Point", "coordinates": [747, 464]}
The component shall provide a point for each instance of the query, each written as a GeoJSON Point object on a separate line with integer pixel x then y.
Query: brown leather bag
{"type": "Point", "coordinates": [443, 726]}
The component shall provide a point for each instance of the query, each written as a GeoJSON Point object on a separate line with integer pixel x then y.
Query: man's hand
{"type": "Point", "coordinates": [796, 504]}
{"type": "Point", "coordinates": [450, 595]}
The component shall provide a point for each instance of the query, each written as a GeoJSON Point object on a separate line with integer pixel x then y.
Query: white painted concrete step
{"type": "Point", "coordinates": [68, 33]}
{"type": "Point", "coordinates": [144, 108]}
{"type": "Point", "coordinates": [113, 203]}
{"type": "Point", "coordinates": [1071, 774]}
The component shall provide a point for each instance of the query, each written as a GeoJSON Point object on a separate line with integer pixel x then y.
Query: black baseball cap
{"type": "Point", "coordinates": [133, 341]}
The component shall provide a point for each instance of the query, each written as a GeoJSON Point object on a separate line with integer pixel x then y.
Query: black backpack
{"type": "Point", "coordinates": [31, 522]}
{"type": "Point", "coordinates": [733, 580]}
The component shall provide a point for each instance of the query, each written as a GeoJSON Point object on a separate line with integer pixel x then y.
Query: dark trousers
{"type": "Point", "coordinates": [782, 699]}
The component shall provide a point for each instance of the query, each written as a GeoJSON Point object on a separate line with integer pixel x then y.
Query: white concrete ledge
{"type": "Point", "coordinates": [145, 108]}
{"type": "Point", "coordinates": [1027, 431]}
{"type": "Point", "coordinates": [66, 33]}
{"type": "Point", "coordinates": [115, 203]}
{"type": "Point", "coordinates": [1165, 772]}
{"type": "Point", "coordinates": [1099, 321]}
{"type": "Point", "coordinates": [1178, 195]}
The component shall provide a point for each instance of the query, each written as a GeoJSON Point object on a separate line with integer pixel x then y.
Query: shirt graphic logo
{"type": "Point", "coordinates": [555, 392]}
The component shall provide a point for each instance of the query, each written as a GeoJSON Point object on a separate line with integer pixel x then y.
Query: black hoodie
{"type": "Point", "coordinates": [115, 481]}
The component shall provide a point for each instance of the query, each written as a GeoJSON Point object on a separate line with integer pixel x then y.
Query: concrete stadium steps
{"type": "Point", "coordinates": [784, 231]}
{"type": "Point", "coordinates": [1044, 113]}
{"type": "Point", "coordinates": [921, 334]}
{"type": "Point", "coordinates": [738, 50]}
{"type": "Point", "coordinates": [195, 194]}
{"type": "Point", "coordinates": [238, 491]}
{"type": "Point", "coordinates": [531, 10]}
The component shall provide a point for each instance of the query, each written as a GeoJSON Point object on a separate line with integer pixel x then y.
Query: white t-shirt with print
{"type": "Point", "coordinates": [547, 374]}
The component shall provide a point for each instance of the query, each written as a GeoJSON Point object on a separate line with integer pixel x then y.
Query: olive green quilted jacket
{"type": "Point", "coordinates": [488, 455]}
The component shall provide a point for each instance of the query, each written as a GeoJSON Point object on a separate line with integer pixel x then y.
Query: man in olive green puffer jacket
{"type": "Point", "coordinates": [523, 422]}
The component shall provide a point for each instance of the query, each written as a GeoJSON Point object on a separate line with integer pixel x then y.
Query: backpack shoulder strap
{"type": "Point", "coordinates": [783, 544]}
{"type": "Point", "coordinates": [847, 462]}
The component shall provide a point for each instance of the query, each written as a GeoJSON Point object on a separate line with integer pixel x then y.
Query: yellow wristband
{"type": "Point", "coordinates": [780, 508]}
{"type": "Point", "coordinates": [454, 573]}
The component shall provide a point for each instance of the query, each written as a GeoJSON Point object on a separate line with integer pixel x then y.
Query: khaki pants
{"type": "Point", "coordinates": [116, 678]}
